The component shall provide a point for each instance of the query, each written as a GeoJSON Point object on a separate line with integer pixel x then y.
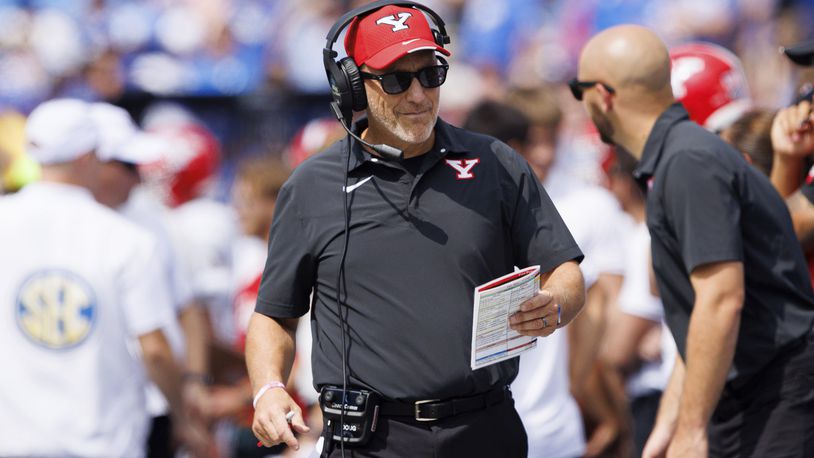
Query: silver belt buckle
{"type": "Point", "coordinates": [417, 407]}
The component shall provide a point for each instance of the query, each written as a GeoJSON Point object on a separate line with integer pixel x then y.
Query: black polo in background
{"type": "Point", "coordinates": [420, 241]}
{"type": "Point", "coordinates": [705, 204]}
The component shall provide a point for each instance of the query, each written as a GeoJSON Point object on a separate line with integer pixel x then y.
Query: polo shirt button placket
{"type": "Point", "coordinates": [406, 182]}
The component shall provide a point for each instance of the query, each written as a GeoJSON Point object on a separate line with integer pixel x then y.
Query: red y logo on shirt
{"type": "Point", "coordinates": [463, 167]}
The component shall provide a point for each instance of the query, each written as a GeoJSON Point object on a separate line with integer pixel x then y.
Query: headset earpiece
{"type": "Point", "coordinates": [340, 87]}
{"type": "Point", "coordinates": [356, 85]}
{"type": "Point", "coordinates": [440, 38]}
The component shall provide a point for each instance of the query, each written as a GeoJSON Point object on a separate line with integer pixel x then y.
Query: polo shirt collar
{"type": "Point", "coordinates": [447, 141]}
{"type": "Point", "coordinates": [655, 141]}
{"type": "Point", "coordinates": [358, 154]}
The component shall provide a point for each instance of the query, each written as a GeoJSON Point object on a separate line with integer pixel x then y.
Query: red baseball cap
{"type": "Point", "coordinates": [382, 37]}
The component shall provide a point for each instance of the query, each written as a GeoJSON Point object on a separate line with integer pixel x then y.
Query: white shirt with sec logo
{"type": "Point", "coordinates": [77, 284]}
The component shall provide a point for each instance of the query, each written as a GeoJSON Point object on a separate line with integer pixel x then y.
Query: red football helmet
{"type": "Point", "coordinates": [190, 159]}
{"type": "Point", "coordinates": [709, 81]}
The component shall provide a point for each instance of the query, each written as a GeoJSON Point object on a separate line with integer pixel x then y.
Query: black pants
{"type": "Point", "coordinates": [159, 442]}
{"type": "Point", "coordinates": [643, 409]}
{"type": "Point", "coordinates": [493, 432]}
{"type": "Point", "coordinates": [773, 414]}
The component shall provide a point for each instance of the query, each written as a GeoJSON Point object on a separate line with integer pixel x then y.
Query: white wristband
{"type": "Point", "coordinates": [265, 388]}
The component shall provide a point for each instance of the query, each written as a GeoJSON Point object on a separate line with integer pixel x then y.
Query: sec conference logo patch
{"type": "Point", "coordinates": [56, 309]}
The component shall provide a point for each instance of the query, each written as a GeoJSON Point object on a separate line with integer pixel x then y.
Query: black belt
{"type": "Point", "coordinates": [436, 409]}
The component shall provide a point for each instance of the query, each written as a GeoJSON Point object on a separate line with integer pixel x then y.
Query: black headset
{"type": "Point", "coordinates": [347, 85]}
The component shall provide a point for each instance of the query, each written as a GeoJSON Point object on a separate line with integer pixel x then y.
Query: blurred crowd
{"type": "Point", "coordinates": [223, 98]}
{"type": "Point", "coordinates": [252, 69]}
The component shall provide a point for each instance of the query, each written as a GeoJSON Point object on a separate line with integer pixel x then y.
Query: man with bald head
{"type": "Point", "coordinates": [734, 283]}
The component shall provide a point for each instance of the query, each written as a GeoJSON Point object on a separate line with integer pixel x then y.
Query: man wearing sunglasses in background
{"type": "Point", "coordinates": [733, 280]}
{"type": "Point", "coordinates": [458, 210]}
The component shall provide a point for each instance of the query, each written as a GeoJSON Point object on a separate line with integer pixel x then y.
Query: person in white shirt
{"type": "Point", "coordinates": [122, 148]}
{"type": "Point", "coordinates": [80, 286]}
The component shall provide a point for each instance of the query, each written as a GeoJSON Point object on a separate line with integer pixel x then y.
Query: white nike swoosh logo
{"type": "Point", "coordinates": [352, 187]}
{"type": "Point", "coordinates": [405, 43]}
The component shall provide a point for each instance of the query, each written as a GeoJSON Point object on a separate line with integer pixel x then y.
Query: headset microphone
{"type": "Point", "coordinates": [387, 152]}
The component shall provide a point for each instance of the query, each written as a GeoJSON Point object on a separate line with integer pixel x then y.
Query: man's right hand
{"type": "Point", "coordinates": [792, 133]}
{"type": "Point", "coordinates": [270, 425]}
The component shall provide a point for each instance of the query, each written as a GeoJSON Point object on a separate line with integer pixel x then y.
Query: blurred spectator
{"type": "Point", "coordinates": [751, 134]}
{"type": "Point", "coordinates": [182, 178]}
{"type": "Point", "coordinates": [102, 78]}
{"type": "Point", "coordinates": [500, 121]}
{"type": "Point", "coordinates": [257, 183]}
{"type": "Point", "coordinates": [541, 106]}
{"type": "Point", "coordinates": [202, 229]}
{"type": "Point", "coordinates": [82, 296]}
{"type": "Point", "coordinates": [122, 149]}
{"type": "Point", "coordinates": [254, 195]}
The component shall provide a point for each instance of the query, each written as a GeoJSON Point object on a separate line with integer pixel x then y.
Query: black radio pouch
{"type": "Point", "coordinates": [361, 412]}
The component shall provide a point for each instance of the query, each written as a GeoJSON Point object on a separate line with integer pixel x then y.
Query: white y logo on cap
{"type": "Point", "coordinates": [463, 167]}
{"type": "Point", "coordinates": [398, 23]}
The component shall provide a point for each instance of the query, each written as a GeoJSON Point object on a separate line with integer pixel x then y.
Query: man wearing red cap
{"type": "Point", "coordinates": [391, 310]}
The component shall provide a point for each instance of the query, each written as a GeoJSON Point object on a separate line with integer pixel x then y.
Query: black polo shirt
{"type": "Point", "coordinates": [705, 204]}
{"type": "Point", "coordinates": [421, 238]}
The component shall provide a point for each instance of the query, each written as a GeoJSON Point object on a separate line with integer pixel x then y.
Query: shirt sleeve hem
{"type": "Point", "coordinates": [711, 258]}
{"type": "Point", "coordinates": [275, 310]}
{"type": "Point", "coordinates": [572, 253]}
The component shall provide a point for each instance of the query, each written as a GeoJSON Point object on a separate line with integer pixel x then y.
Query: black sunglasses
{"type": "Point", "coordinates": [398, 82]}
{"type": "Point", "coordinates": [578, 87]}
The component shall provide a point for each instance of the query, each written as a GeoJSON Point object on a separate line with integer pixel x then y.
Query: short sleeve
{"type": "Point", "coordinates": [289, 272]}
{"type": "Point", "coordinates": [539, 235]}
{"type": "Point", "coordinates": [703, 209]}
{"type": "Point", "coordinates": [145, 293]}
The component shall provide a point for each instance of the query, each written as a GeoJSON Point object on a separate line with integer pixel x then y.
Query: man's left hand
{"type": "Point", "coordinates": [538, 316]}
{"type": "Point", "coordinates": [690, 443]}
